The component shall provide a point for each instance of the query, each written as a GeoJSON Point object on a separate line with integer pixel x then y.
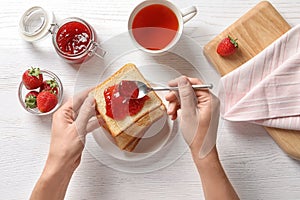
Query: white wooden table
{"type": "Point", "coordinates": [256, 166]}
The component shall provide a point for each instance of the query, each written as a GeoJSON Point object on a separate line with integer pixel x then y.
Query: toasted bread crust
{"type": "Point", "coordinates": [132, 145]}
{"type": "Point", "coordinates": [138, 129]}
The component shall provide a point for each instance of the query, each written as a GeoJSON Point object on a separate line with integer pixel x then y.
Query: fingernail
{"type": "Point", "coordinates": [182, 81]}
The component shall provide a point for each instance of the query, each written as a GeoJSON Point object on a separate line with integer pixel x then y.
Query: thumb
{"type": "Point", "coordinates": [187, 97]}
{"type": "Point", "coordinates": [87, 110]}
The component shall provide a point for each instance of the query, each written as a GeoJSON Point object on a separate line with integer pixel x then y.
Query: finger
{"type": "Point", "coordinates": [93, 124]}
{"type": "Point", "coordinates": [199, 93]}
{"type": "Point", "coordinates": [172, 108]}
{"type": "Point", "coordinates": [195, 81]}
{"type": "Point", "coordinates": [100, 120]}
{"type": "Point", "coordinates": [174, 82]}
{"type": "Point", "coordinates": [171, 96]}
{"type": "Point", "coordinates": [173, 117]}
{"type": "Point", "coordinates": [87, 110]}
{"type": "Point", "coordinates": [187, 97]}
{"type": "Point", "coordinates": [79, 98]}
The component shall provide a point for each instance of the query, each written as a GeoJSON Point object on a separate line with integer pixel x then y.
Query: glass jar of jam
{"type": "Point", "coordinates": [73, 38]}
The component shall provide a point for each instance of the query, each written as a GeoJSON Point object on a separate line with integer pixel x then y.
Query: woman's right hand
{"type": "Point", "coordinates": [199, 114]}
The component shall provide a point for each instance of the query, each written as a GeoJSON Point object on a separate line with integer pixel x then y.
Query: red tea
{"type": "Point", "coordinates": [155, 26]}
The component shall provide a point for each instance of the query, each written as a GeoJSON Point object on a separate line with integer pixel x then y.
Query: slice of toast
{"type": "Point", "coordinates": [128, 131]}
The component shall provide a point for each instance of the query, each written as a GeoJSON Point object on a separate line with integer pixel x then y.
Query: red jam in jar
{"type": "Point", "coordinates": [118, 106]}
{"type": "Point", "coordinates": [73, 38]}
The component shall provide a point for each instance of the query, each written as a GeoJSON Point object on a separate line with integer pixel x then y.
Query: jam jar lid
{"type": "Point", "coordinates": [36, 23]}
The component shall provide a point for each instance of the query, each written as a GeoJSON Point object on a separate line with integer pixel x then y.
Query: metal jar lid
{"type": "Point", "coordinates": [36, 23]}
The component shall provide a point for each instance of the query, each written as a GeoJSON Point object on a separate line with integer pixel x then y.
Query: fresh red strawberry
{"type": "Point", "coordinates": [30, 99]}
{"type": "Point", "coordinates": [32, 78]}
{"type": "Point", "coordinates": [46, 101]}
{"type": "Point", "coordinates": [227, 46]}
{"type": "Point", "coordinates": [50, 85]}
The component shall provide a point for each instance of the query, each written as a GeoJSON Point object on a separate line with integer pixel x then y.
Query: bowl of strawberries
{"type": "Point", "coordinates": [40, 91]}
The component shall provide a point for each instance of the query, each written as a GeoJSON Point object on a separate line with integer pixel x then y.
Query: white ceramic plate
{"type": "Point", "coordinates": [161, 140]}
{"type": "Point", "coordinates": [155, 137]}
{"type": "Point", "coordinates": [167, 144]}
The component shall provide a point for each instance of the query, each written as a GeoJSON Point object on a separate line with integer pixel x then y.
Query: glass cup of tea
{"type": "Point", "coordinates": [155, 26]}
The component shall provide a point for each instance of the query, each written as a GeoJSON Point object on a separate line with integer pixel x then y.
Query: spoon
{"type": "Point", "coordinates": [138, 89]}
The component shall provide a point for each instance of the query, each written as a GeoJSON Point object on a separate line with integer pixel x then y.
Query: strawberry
{"type": "Point", "coordinates": [32, 78]}
{"type": "Point", "coordinates": [50, 85]}
{"type": "Point", "coordinates": [227, 46]}
{"type": "Point", "coordinates": [30, 99]}
{"type": "Point", "coordinates": [46, 101]}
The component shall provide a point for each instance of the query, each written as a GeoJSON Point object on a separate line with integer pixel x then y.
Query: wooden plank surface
{"type": "Point", "coordinates": [255, 30]}
{"type": "Point", "coordinates": [252, 161]}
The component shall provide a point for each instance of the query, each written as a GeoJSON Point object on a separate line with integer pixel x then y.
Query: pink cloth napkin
{"type": "Point", "coordinates": [266, 89]}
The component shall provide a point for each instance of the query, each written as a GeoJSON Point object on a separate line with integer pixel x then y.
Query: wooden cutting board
{"type": "Point", "coordinates": [255, 30]}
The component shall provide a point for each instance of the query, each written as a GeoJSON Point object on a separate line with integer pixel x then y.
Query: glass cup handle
{"type": "Point", "coordinates": [97, 50]}
{"type": "Point", "coordinates": [188, 13]}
